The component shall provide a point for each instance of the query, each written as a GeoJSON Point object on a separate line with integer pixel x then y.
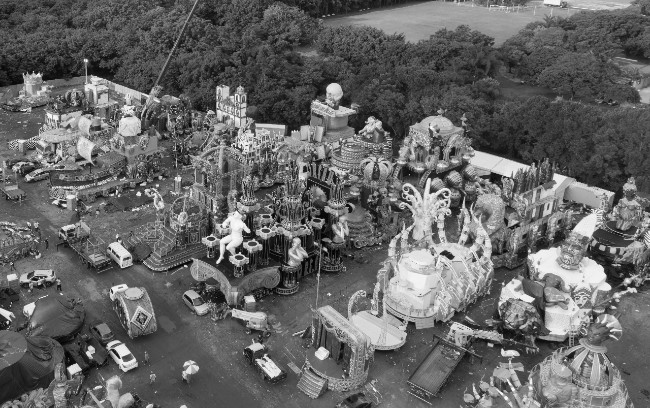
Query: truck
{"type": "Point", "coordinates": [432, 373]}
{"type": "Point", "coordinates": [91, 250]}
{"type": "Point", "coordinates": [257, 355]}
{"type": "Point", "coordinates": [556, 3]}
{"type": "Point", "coordinates": [254, 321]}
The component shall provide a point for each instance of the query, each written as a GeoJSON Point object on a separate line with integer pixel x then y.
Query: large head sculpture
{"type": "Point", "coordinates": [334, 93]}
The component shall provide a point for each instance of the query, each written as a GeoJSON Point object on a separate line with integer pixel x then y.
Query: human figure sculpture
{"type": "Point", "coordinates": [373, 130]}
{"type": "Point", "coordinates": [628, 212]}
{"type": "Point", "coordinates": [560, 391]}
{"type": "Point", "coordinates": [334, 94]}
{"type": "Point", "coordinates": [297, 253]}
{"type": "Point", "coordinates": [235, 238]}
{"type": "Point", "coordinates": [341, 230]}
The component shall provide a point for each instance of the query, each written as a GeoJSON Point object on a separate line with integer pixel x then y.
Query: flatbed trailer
{"type": "Point", "coordinates": [12, 192]}
{"type": "Point", "coordinates": [432, 373]}
{"type": "Point", "coordinates": [90, 253]}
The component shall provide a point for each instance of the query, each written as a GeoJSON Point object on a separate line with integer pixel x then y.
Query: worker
{"type": "Point", "coordinates": [12, 267]}
{"type": "Point", "coordinates": [146, 357]}
{"type": "Point", "coordinates": [58, 284]}
{"type": "Point", "coordinates": [31, 286]}
{"type": "Point", "coordinates": [152, 378]}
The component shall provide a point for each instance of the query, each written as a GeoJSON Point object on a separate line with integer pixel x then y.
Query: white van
{"type": "Point", "coordinates": [120, 255]}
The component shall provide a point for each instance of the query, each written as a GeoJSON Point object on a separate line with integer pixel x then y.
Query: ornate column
{"type": "Point", "coordinates": [238, 261]}
{"type": "Point", "coordinates": [212, 243]}
{"type": "Point", "coordinates": [252, 248]}
{"type": "Point", "coordinates": [289, 284]}
{"type": "Point", "coordinates": [265, 234]}
{"type": "Point", "coordinates": [248, 204]}
{"type": "Point", "coordinates": [317, 225]}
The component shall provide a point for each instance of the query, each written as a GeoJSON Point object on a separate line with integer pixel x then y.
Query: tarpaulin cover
{"type": "Point", "coordinates": [26, 363]}
{"type": "Point", "coordinates": [140, 252]}
{"type": "Point", "coordinates": [57, 317]}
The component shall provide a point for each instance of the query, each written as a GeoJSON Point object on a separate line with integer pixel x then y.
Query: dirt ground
{"type": "Point", "coordinates": [418, 21]}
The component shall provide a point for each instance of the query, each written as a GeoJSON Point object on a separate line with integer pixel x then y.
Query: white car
{"type": "Point", "coordinates": [37, 175]}
{"type": "Point", "coordinates": [38, 277]}
{"type": "Point", "coordinates": [117, 288]}
{"type": "Point", "coordinates": [42, 174]}
{"type": "Point", "coordinates": [195, 302]}
{"type": "Point", "coordinates": [121, 355]}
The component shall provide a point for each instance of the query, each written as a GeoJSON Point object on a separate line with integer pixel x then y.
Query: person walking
{"type": "Point", "coordinates": [47, 244]}
{"type": "Point", "coordinates": [31, 286]}
{"type": "Point", "coordinates": [152, 378]}
{"type": "Point", "coordinates": [12, 267]}
{"type": "Point", "coordinates": [146, 358]}
{"type": "Point", "coordinates": [58, 285]}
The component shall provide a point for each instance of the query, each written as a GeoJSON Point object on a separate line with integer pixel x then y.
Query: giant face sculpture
{"type": "Point", "coordinates": [571, 252]}
{"type": "Point", "coordinates": [334, 93]}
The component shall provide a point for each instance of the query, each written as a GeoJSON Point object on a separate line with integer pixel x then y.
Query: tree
{"type": "Point", "coordinates": [576, 75]}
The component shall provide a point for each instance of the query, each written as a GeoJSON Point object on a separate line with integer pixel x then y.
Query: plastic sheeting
{"type": "Point", "coordinates": [140, 252]}
{"type": "Point", "coordinates": [27, 363]}
{"type": "Point", "coordinates": [57, 317]}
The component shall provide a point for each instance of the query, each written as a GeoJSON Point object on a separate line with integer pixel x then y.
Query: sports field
{"type": "Point", "coordinates": [419, 20]}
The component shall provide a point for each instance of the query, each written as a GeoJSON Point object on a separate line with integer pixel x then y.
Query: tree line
{"type": "Point", "coordinates": [285, 58]}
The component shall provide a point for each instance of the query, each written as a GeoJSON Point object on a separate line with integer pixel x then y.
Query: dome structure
{"type": "Point", "coordinates": [441, 122]}
{"type": "Point", "coordinates": [129, 126]}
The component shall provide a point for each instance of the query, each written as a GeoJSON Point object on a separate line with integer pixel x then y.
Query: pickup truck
{"type": "Point", "coordinates": [257, 355]}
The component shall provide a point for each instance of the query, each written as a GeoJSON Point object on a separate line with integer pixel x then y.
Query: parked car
{"type": "Point", "coordinates": [10, 163]}
{"type": "Point", "coordinates": [23, 168]}
{"type": "Point", "coordinates": [121, 355]}
{"type": "Point", "coordinates": [195, 302]}
{"type": "Point", "coordinates": [37, 175]}
{"type": "Point", "coordinates": [38, 277]}
{"type": "Point", "coordinates": [117, 288]}
{"type": "Point", "coordinates": [102, 333]}
{"type": "Point", "coordinates": [42, 173]}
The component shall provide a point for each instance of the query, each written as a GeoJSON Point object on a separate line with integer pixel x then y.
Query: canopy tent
{"type": "Point", "coordinates": [26, 363]}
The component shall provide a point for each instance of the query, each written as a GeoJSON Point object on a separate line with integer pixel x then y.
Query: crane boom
{"type": "Point", "coordinates": [178, 40]}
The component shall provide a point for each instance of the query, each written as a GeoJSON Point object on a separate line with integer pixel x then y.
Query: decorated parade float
{"type": "Point", "coordinates": [562, 290]}
{"type": "Point", "coordinates": [582, 375]}
{"type": "Point", "coordinates": [429, 277]}
{"type": "Point", "coordinates": [339, 355]}
{"type": "Point", "coordinates": [35, 93]}
{"type": "Point", "coordinates": [623, 237]}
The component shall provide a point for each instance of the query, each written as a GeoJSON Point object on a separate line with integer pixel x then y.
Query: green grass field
{"type": "Point", "coordinates": [418, 21]}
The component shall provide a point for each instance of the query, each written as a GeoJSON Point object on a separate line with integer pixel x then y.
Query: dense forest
{"type": "Point", "coordinates": [285, 58]}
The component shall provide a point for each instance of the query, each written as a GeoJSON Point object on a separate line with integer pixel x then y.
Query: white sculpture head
{"type": "Point", "coordinates": [334, 92]}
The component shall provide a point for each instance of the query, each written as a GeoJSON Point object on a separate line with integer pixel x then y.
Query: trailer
{"type": "Point", "coordinates": [90, 250]}
{"type": "Point", "coordinates": [135, 310]}
{"type": "Point", "coordinates": [12, 192]}
{"type": "Point", "coordinates": [257, 355]}
{"type": "Point", "coordinates": [432, 373]}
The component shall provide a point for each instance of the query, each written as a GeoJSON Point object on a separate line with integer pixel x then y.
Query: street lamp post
{"type": "Point", "coordinates": [86, 68]}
